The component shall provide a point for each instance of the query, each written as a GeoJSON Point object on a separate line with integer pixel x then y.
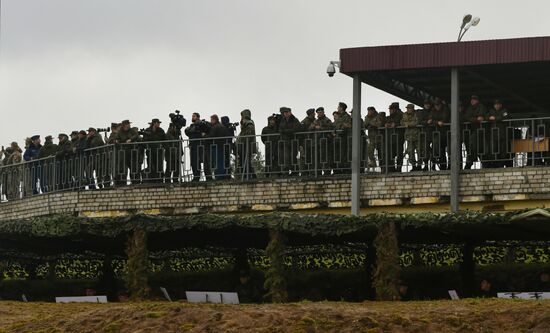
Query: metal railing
{"type": "Point", "coordinates": [509, 143]}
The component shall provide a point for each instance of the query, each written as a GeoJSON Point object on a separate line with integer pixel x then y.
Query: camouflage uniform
{"type": "Point", "coordinates": [410, 121]}
{"type": "Point", "coordinates": [64, 159]}
{"type": "Point", "coordinates": [395, 138]}
{"type": "Point", "coordinates": [477, 133]}
{"type": "Point", "coordinates": [307, 145]}
{"type": "Point", "coordinates": [324, 143]}
{"type": "Point", "coordinates": [96, 159]}
{"type": "Point", "coordinates": [48, 149]}
{"type": "Point", "coordinates": [375, 138]}
{"type": "Point", "coordinates": [127, 155]}
{"type": "Point", "coordinates": [155, 154]}
{"type": "Point", "coordinates": [441, 135]}
{"type": "Point", "coordinates": [246, 146]}
{"type": "Point", "coordinates": [289, 143]}
{"type": "Point", "coordinates": [425, 135]}
{"type": "Point", "coordinates": [342, 143]}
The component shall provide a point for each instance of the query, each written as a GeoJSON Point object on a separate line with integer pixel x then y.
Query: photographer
{"type": "Point", "coordinates": [173, 147]}
{"type": "Point", "coordinates": [229, 146]}
{"type": "Point", "coordinates": [197, 132]}
{"type": "Point", "coordinates": [153, 135]}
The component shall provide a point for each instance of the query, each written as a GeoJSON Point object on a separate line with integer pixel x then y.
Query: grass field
{"type": "Point", "coordinates": [431, 316]}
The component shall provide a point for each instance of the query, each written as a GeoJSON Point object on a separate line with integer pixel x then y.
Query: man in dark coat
{"type": "Point", "coordinates": [476, 114]}
{"type": "Point", "coordinates": [154, 148]}
{"type": "Point", "coordinates": [219, 135]}
{"type": "Point", "coordinates": [127, 157]}
{"type": "Point", "coordinates": [197, 133]}
{"type": "Point", "coordinates": [270, 139]}
{"type": "Point", "coordinates": [32, 170]}
{"type": "Point", "coordinates": [288, 127]}
{"type": "Point", "coordinates": [396, 137]}
{"type": "Point", "coordinates": [307, 153]}
{"type": "Point", "coordinates": [64, 155]}
{"type": "Point", "coordinates": [96, 158]}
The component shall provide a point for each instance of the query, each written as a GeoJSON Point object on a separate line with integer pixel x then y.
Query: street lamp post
{"type": "Point", "coordinates": [456, 151]}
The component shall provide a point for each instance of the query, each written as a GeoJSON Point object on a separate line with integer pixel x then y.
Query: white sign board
{"type": "Point", "coordinates": [81, 299]}
{"type": "Point", "coordinates": [212, 297]}
{"type": "Point", "coordinates": [454, 295]}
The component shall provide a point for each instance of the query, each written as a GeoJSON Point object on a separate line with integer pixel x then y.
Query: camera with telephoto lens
{"type": "Point", "coordinates": [177, 119]}
{"type": "Point", "coordinates": [204, 126]}
{"type": "Point", "coordinates": [145, 131]}
{"type": "Point", "coordinates": [106, 130]}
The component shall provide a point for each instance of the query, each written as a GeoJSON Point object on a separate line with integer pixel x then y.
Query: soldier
{"type": "Point", "coordinates": [15, 172]}
{"type": "Point", "coordinates": [155, 152]}
{"type": "Point", "coordinates": [288, 127]}
{"type": "Point", "coordinates": [47, 164]}
{"type": "Point", "coordinates": [127, 155]}
{"type": "Point", "coordinates": [63, 156]}
{"type": "Point", "coordinates": [95, 159]}
{"type": "Point", "coordinates": [115, 127]}
{"type": "Point", "coordinates": [270, 139]}
{"type": "Point", "coordinates": [306, 144]}
{"type": "Point", "coordinates": [32, 170]}
{"type": "Point", "coordinates": [410, 121]}
{"type": "Point", "coordinates": [323, 128]}
{"type": "Point", "coordinates": [373, 122]}
{"type": "Point", "coordinates": [246, 146]}
{"type": "Point", "coordinates": [425, 137]}
{"type": "Point", "coordinates": [498, 139]}
{"type": "Point", "coordinates": [342, 125]}
{"type": "Point", "coordinates": [197, 132]}
{"type": "Point", "coordinates": [394, 135]}
{"type": "Point", "coordinates": [80, 164]}
{"type": "Point", "coordinates": [441, 116]}
{"type": "Point", "coordinates": [476, 114]}
{"type": "Point", "coordinates": [4, 171]}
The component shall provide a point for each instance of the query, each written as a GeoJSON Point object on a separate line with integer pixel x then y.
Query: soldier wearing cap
{"type": "Point", "coordinates": [306, 144]}
{"type": "Point", "coordinates": [246, 146]}
{"type": "Point", "coordinates": [96, 159]}
{"type": "Point", "coordinates": [410, 121]}
{"type": "Point", "coordinates": [342, 140]}
{"type": "Point", "coordinates": [270, 139]}
{"type": "Point", "coordinates": [476, 114]}
{"type": "Point", "coordinates": [155, 152]}
{"type": "Point", "coordinates": [126, 138]}
{"type": "Point", "coordinates": [324, 140]}
{"type": "Point", "coordinates": [441, 116]}
{"type": "Point", "coordinates": [395, 135]}
{"type": "Point", "coordinates": [373, 123]}
{"type": "Point", "coordinates": [288, 127]}
{"type": "Point", "coordinates": [48, 150]}
{"type": "Point", "coordinates": [498, 137]}
{"type": "Point", "coordinates": [15, 171]}
{"type": "Point", "coordinates": [64, 177]}
{"type": "Point", "coordinates": [425, 137]}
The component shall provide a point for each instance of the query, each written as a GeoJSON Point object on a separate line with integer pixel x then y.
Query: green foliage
{"type": "Point", "coordinates": [275, 281]}
{"type": "Point", "coordinates": [138, 266]}
{"type": "Point", "coordinates": [387, 270]}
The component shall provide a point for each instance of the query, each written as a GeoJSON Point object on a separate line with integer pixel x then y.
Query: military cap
{"type": "Point", "coordinates": [74, 133]}
{"type": "Point", "coordinates": [410, 106]}
{"type": "Point", "coordinates": [91, 129]}
{"type": "Point", "coordinates": [394, 105]}
{"type": "Point", "coordinates": [475, 97]}
{"type": "Point", "coordinates": [125, 122]}
{"type": "Point", "coordinates": [62, 135]}
{"type": "Point", "coordinates": [497, 101]}
{"type": "Point", "coordinates": [371, 108]}
{"type": "Point", "coordinates": [270, 118]}
{"type": "Point", "coordinates": [114, 125]}
{"type": "Point", "coordinates": [35, 137]}
{"type": "Point", "coordinates": [48, 138]}
{"type": "Point", "coordinates": [309, 112]}
{"type": "Point", "coordinates": [343, 105]}
{"type": "Point", "coordinates": [438, 101]}
{"type": "Point", "coordinates": [320, 109]}
{"type": "Point", "coordinates": [155, 120]}
{"type": "Point", "coordinates": [83, 132]}
{"type": "Point", "coordinates": [284, 109]}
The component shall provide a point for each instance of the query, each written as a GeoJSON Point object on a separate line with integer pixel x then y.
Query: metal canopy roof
{"type": "Point", "coordinates": [514, 70]}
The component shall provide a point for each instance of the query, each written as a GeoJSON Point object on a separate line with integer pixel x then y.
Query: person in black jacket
{"type": "Point", "coordinates": [219, 135]}
{"type": "Point", "coordinates": [288, 127]}
{"type": "Point", "coordinates": [270, 139]}
{"type": "Point", "coordinates": [155, 152]}
{"type": "Point", "coordinates": [63, 156]}
{"type": "Point", "coordinates": [197, 132]}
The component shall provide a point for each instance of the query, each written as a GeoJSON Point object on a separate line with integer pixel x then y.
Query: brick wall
{"type": "Point", "coordinates": [287, 194]}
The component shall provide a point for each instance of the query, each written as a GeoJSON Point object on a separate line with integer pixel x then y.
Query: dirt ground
{"type": "Point", "coordinates": [435, 316]}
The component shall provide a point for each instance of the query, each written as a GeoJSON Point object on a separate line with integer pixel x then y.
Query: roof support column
{"type": "Point", "coordinates": [356, 148]}
{"type": "Point", "coordinates": [455, 149]}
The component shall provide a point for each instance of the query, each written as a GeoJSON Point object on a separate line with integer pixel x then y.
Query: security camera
{"type": "Point", "coordinates": [331, 70]}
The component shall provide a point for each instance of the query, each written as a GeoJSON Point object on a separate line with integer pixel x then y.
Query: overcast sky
{"type": "Point", "coordinates": [70, 64]}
